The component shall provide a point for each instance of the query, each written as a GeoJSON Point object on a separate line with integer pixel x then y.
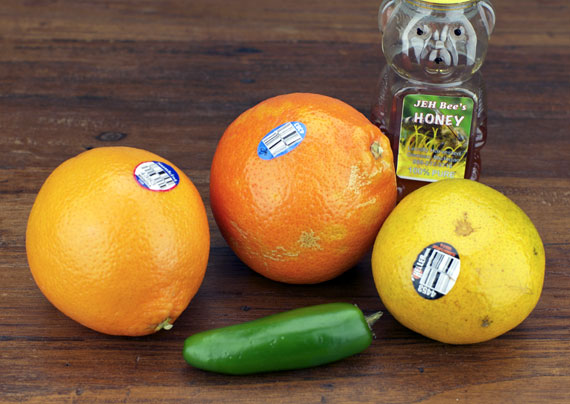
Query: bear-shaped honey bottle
{"type": "Point", "coordinates": [431, 98]}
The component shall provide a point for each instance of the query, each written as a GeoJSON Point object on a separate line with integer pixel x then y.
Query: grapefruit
{"type": "Point", "coordinates": [300, 185]}
{"type": "Point", "coordinates": [458, 262]}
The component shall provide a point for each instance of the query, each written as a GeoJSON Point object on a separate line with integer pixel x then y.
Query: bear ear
{"type": "Point", "coordinates": [385, 13]}
{"type": "Point", "coordinates": [487, 15]}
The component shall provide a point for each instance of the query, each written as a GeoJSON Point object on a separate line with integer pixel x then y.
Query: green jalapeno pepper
{"type": "Point", "coordinates": [294, 339]}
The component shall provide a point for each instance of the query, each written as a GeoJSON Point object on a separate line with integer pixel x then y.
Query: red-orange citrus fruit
{"type": "Point", "coordinates": [118, 240]}
{"type": "Point", "coordinates": [300, 185]}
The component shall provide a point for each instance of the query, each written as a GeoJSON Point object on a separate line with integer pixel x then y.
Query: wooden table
{"type": "Point", "coordinates": [169, 76]}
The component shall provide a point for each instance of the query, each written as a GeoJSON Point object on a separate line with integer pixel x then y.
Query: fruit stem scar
{"type": "Point", "coordinates": [463, 226]}
{"type": "Point", "coordinates": [165, 325]}
{"type": "Point", "coordinates": [376, 150]}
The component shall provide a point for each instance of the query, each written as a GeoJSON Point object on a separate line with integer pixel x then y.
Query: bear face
{"type": "Point", "coordinates": [435, 44]}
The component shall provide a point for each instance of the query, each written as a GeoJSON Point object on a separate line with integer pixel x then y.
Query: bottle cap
{"type": "Point", "coordinates": [449, 1]}
{"type": "Point", "coordinates": [447, 4]}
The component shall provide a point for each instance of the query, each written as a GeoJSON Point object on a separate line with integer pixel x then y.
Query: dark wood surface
{"type": "Point", "coordinates": [169, 76]}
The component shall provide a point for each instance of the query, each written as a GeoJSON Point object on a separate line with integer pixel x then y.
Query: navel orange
{"type": "Point", "coordinates": [118, 240]}
{"type": "Point", "coordinates": [300, 185]}
{"type": "Point", "coordinates": [459, 262]}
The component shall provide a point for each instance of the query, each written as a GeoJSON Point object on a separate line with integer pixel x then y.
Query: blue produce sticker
{"type": "Point", "coordinates": [156, 176]}
{"type": "Point", "coordinates": [281, 140]}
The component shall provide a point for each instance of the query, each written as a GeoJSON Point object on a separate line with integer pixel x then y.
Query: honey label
{"type": "Point", "coordinates": [434, 137]}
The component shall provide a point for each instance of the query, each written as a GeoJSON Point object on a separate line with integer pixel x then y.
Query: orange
{"type": "Point", "coordinates": [300, 185]}
{"type": "Point", "coordinates": [458, 262]}
{"type": "Point", "coordinates": [118, 240]}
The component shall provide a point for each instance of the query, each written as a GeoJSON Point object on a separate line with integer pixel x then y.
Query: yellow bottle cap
{"type": "Point", "coordinates": [432, 4]}
{"type": "Point", "coordinates": [449, 1]}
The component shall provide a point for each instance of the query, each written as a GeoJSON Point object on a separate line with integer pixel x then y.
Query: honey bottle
{"type": "Point", "coordinates": [431, 99]}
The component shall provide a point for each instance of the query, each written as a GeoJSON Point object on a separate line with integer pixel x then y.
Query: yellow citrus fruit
{"type": "Point", "coordinates": [458, 262]}
{"type": "Point", "coordinates": [118, 240]}
{"type": "Point", "coordinates": [300, 185]}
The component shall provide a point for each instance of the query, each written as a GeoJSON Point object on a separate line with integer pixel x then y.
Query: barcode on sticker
{"type": "Point", "coordinates": [156, 176]}
{"type": "Point", "coordinates": [281, 140]}
{"type": "Point", "coordinates": [278, 141]}
{"type": "Point", "coordinates": [440, 272]}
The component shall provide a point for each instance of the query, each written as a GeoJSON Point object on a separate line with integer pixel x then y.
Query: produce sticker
{"type": "Point", "coordinates": [156, 176]}
{"type": "Point", "coordinates": [435, 270]}
{"type": "Point", "coordinates": [281, 140]}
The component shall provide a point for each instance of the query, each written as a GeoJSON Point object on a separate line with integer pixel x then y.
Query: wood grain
{"type": "Point", "coordinates": [169, 76]}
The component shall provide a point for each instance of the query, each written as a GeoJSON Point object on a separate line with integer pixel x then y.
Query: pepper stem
{"type": "Point", "coordinates": [371, 319]}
